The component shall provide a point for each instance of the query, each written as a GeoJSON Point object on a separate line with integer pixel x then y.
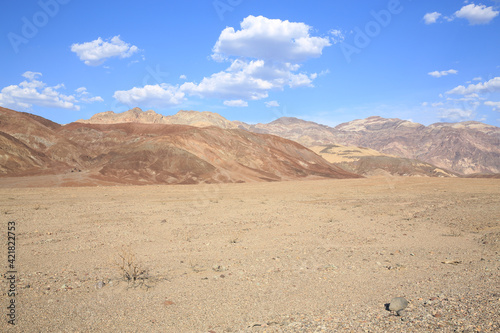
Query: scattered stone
{"type": "Point", "coordinates": [398, 304]}
{"type": "Point", "coordinates": [219, 268]}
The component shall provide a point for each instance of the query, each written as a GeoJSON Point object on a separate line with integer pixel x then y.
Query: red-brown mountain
{"type": "Point", "coordinates": [152, 153]}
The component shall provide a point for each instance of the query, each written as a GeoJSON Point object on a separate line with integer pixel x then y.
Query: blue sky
{"type": "Point", "coordinates": [252, 60]}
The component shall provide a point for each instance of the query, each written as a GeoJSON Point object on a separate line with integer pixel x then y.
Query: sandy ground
{"type": "Point", "coordinates": [309, 256]}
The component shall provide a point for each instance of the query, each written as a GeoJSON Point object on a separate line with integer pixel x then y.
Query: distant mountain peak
{"type": "Point", "coordinates": [283, 120]}
{"type": "Point", "coordinates": [376, 123]}
{"type": "Point", "coordinates": [183, 117]}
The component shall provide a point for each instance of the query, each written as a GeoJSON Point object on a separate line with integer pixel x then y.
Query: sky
{"type": "Point", "coordinates": [252, 60]}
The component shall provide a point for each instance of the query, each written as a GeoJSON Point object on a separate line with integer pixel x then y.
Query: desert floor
{"type": "Point", "coordinates": [301, 256]}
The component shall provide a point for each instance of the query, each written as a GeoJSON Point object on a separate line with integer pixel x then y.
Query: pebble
{"type": "Point", "coordinates": [219, 268]}
{"type": "Point", "coordinates": [398, 304]}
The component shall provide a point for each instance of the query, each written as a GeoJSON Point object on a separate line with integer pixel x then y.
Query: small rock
{"type": "Point", "coordinates": [398, 304]}
{"type": "Point", "coordinates": [219, 268]}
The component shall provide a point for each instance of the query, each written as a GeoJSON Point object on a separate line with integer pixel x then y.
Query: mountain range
{"type": "Point", "coordinates": [144, 147]}
{"type": "Point", "coordinates": [401, 147]}
{"type": "Point", "coordinates": [464, 148]}
{"type": "Point", "coordinates": [151, 153]}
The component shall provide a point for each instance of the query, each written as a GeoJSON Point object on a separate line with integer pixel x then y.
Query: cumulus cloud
{"type": "Point", "coordinates": [236, 103]}
{"type": "Point", "coordinates": [272, 104]}
{"type": "Point", "coordinates": [183, 77]}
{"type": "Point", "coordinates": [456, 114]}
{"type": "Point", "coordinates": [462, 107]}
{"type": "Point", "coordinates": [35, 92]}
{"type": "Point", "coordinates": [269, 39]}
{"type": "Point", "coordinates": [431, 18]}
{"type": "Point", "coordinates": [495, 105]}
{"type": "Point", "coordinates": [84, 96]}
{"type": "Point", "coordinates": [96, 52]}
{"type": "Point", "coordinates": [31, 75]}
{"type": "Point", "coordinates": [264, 55]}
{"type": "Point", "coordinates": [158, 95]}
{"type": "Point", "coordinates": [249, 80]}
{"type": "Point", "coordinates": [477, 14]}
{"type": "Point", "coordinates": [492, 85]}
{"type": "Point", "coordinates": [443, 73]}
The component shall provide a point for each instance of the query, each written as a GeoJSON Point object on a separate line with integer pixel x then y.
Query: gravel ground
{"type": "Point", "coordinates": [310, 256]}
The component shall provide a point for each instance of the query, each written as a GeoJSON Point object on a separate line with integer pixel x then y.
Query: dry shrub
{"type": "Point", "coordinates": [129, 268]}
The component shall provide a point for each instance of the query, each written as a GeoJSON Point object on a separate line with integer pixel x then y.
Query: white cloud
{"type": "Point", "coordinates": [84, 96]}
{"type": "Point", "coordinates": [431, 18]}
{"type": "Point", "coordinates": [477, 14]}
{"type": "Point", "coordinates": [456, 114]}
{"type": "Point", "coordinates": [236, 103]}
{"type": "Point", "coordinates": [94, 53]}
{"type": "Point", "coordinates": [249, 80]}
{"type": "Point", "coordinates": [495, 105]}
{"type": "Point", "coordinates": [461, 108]}
{"type": "Point", "coordinates": [467, 98]}
{"type": "Point", "coordinates": [264, 55]}
{"type": "Point", "coordinates": [442, 73]}
{"type": "Point", "coordinates": [337, 36]}
{"type": "Point", "coordinates": [183, 77]}
{"type": "Point", "coordinates": [492, 85]}
{"type": "Point", "coordinates": [31, 75]}
{"type": "Point", "coordinates": [158, 95]}
{"type": "Point", "coordinates": [269, 39]}
{"type": "Point", "coordinates": [34, 92]}
{"type": "Point", "coordinates": [272, 104]}
{"type": "Point", "coordinates": [477, 78]}
{"type": "Point", "coordinates": [324, 72]}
